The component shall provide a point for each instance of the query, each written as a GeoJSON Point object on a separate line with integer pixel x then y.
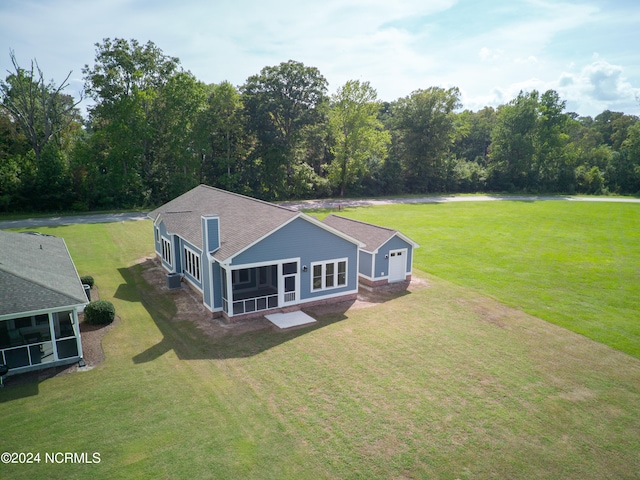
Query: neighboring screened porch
{"type": "Point", "coordinates": [33, 341]}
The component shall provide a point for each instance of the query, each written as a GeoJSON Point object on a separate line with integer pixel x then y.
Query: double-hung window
{"type": "Point", "coordinates": [192, 263]}
{"type": "Point", "coordinates": [328, 275]}
{"type": "Point", "coordinates": [166, 251]}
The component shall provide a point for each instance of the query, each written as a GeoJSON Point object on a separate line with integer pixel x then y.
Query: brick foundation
{"type": "Point", "coordinates": [381, 283]}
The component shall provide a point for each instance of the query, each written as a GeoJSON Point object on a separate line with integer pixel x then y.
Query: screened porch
{"type": "Point", "coordinates": [34, 341]}
{"type": "Point", "coordinates": [258, 288]}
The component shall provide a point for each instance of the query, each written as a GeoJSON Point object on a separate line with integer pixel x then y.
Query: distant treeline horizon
{"type": "Point", "coordinates": [154, 131]}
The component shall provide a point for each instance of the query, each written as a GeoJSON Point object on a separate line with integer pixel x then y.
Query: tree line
{"type": "Point", "coordinates": [154, 131]}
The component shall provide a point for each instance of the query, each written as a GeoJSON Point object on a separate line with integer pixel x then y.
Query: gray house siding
{"type": "Point", "coordinates": [366, 267]}
{"type": "Point", "coordinates": [205, 273]}
{"type": "Point", "coordinates": [156, 239]}
{"type": "Point", "coordinates": [382, 263]}
{"type": "Point", "coordinates": [211, 231]}
{"type": "Point", "coordinates": [217, 285]}
{"type": "Point", "coordinates": [177, 253]}
{"type": "Point", "coordinates": [310, 243]}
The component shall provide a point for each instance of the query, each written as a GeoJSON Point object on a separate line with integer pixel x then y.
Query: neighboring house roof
{"type": "Point", "coordinates": [36, 273]}
{"type": "Point", "coordinates": [373, 236]}
{"type": "Point", "coordinates": [243, 220]}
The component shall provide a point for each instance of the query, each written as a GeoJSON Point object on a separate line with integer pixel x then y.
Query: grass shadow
{"type": "Point", "coordinates": [19, 386]}
{"type": "Point", "coordinates": [197, 335]}
{"type": "Point", "coordinates": [22, 385]}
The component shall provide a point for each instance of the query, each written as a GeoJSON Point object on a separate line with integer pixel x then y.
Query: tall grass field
{"type": "Point", "coordinates": [452, 379]}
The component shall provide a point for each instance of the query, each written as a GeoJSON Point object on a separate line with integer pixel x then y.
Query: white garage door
{"type": "Point", "coordinates": [397, 265]}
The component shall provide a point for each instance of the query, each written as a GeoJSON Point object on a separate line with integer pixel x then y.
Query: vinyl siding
{"type": "Point", "coordinates": [382, 263]}
{"type": "Point", "coordinates": [366, 261]}
{"type": "Point", "coordinates": [210, 225]}
{"type": "Point", "coordinates": [310, 243]}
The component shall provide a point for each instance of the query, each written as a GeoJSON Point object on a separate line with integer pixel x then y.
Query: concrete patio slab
{"type": "Point", "coordinates": [291, 319]}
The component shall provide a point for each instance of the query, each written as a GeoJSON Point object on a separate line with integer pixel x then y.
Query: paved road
{"type": "Point", "coordinates": [310, 205]}
{"type": "Point", "coordinates": [72, 220]}
{"type": "Point", "coordinates": [334, 203]}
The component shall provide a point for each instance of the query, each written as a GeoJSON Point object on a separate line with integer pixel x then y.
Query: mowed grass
{"type": "Point", "coordinates": [439, 383]}
{"type": "Point", "coordinates": [576, 264]}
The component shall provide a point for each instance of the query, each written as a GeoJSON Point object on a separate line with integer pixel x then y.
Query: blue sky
{"type": "Point", "coordinates": [587, 50]}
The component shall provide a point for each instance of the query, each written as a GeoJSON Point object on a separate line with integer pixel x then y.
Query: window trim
{"type": "Point", "coordinates": [192, 263]}
{"type": "Point", "coordinates": [166, 251]}
{"type": "Point", "coordinates": [335, 275]}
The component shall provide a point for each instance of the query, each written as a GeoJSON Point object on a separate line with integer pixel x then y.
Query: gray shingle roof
{"type": "Point", "coordinates": [36, 273]}
{"type": "Point", "coordinates": [373, 236]}
{"type": "Point", "coordinates": [243, 220]}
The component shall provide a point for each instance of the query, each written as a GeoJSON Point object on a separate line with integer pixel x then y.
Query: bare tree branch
{"type": "Point", "coordinates": [39, 107]}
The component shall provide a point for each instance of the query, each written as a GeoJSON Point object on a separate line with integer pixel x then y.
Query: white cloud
{"type": "Point", "coordinates": [490, 55]}
{"type": "Point", "coordinates": [599, 86]}
{"type": "Point", "coordinates": [490, 50]}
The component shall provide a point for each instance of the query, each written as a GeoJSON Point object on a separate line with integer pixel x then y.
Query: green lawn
{"type": "Point", "coordinates": [576, 264]}
{"type": "Point", "coordinates": [442, 382]}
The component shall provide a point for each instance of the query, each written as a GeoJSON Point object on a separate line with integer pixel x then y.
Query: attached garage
{"type": "Point", "coordinates": [387, 255]}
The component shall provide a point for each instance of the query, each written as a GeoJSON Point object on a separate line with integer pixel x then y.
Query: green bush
{"type": "Point", "coordinates": [100, 312]}
{"type": "Point", "coordinates": [87, 280]}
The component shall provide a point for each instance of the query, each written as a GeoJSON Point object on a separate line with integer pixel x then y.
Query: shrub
{"type": "Point", "coordinates": [87, 280]}
{"type": "Point", "coordinates": [100, 312]}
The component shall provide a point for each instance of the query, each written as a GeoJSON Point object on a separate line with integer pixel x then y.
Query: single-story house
{"type": "Point", "coordinates": [246, 255]}
{"type": "Point", "coordinates": [40, 296]}
{"type": "Point", "coordinates": [386, 256]}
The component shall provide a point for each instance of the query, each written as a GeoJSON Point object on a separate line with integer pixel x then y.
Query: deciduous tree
{"type": "Point", "coordinates": [221, 138]}
{"type": "Point", "coordinates": [124, 82]}
{"type": "Point", "coordinates": [425, 125]}
{"type": "Point", "coordinates": [513, 144]}
{"type": "Point", "coordinates": [358, 136]}
{"type": "Point", "coordinates": [280, 103]}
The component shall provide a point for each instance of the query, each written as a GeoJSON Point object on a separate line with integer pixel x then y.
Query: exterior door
{"type": "Point", "coordinates": [289, 282]}
{"type": "Point", "coordinates": [397, 265]}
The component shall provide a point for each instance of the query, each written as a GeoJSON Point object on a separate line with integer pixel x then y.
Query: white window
{"type": "Point", "coordinates": [157, 234]}
{"type": "Point", "coordinates": [327, 275]}
{"type": "Point", "coordinates": [166, 251]}
{"type": "Point", "coordinates": [192, 263]}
